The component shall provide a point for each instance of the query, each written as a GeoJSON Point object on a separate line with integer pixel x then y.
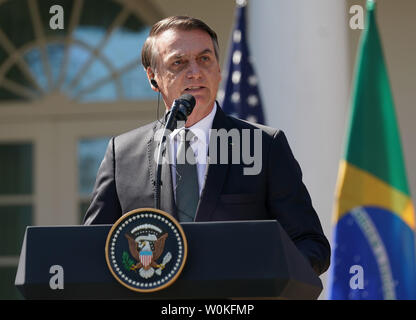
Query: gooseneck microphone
{"type": "Point", "coordinates": [180, 110]}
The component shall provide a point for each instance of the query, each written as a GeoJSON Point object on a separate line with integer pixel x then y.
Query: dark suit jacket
{"type": "Point", "coordinates": [125, 181]}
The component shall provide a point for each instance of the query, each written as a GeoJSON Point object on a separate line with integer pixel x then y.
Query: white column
{"type": "Point", "coordinates": [300, 52]}
{"type": "Point", "coordinates": [46, 172]}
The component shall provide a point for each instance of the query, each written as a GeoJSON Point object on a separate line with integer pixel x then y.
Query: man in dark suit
{"type": "Point", "coordinates": [181, 56]}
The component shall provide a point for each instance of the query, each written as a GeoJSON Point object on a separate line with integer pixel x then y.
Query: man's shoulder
{"type": "Point", "coordinates": [244, 124]}
{"type": "Point", "coordinates": [139, 132]}
{"type": "Point", "coordinates": [135, 138]}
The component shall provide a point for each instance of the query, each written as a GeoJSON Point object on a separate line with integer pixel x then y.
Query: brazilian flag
{"type": "Point", "coordinates": [373, 247]}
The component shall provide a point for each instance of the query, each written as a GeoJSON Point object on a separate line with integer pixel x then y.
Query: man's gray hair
{"type": "Point", "coordinates": [149, 51]}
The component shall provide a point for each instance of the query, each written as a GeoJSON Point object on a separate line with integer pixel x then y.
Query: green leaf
{"type": "Point", "coordinates": [127, 262]}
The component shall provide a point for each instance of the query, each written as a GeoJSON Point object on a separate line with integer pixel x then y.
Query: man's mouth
{"type": "Point", "coordinates": [193, 89]}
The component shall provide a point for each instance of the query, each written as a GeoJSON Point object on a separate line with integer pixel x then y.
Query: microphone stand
{"type": "Point", "coordinates": [170, 124]}
{"type": "Point", "coordinates": [180, 110]}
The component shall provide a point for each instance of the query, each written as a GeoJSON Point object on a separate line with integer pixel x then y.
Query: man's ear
{"type": "Point", "coordinates": [151, 78]}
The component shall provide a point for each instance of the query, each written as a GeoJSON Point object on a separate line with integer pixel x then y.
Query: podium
{"type": "Point", "coordinates": [238, 259]}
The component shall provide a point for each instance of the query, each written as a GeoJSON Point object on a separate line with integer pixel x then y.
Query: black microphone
{"type": "Point", "coordinates": [180, 110]}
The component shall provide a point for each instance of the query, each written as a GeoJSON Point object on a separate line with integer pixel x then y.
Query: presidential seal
{"type": "Point", "coordinates": [146, 250]}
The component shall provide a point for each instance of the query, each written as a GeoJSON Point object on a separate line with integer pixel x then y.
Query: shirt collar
{"type": "Point", "coordinates": [202, 127]}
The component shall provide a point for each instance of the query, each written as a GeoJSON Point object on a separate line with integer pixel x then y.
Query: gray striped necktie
{"type": "Point", "coordinates": [187, 188]}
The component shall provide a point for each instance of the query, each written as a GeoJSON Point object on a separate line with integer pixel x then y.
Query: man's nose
{"type": "Point", "coordinates": [194, 70]}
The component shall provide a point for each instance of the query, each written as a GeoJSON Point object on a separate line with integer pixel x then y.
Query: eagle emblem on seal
{"type": "Point", "coordinates": [146, 245]}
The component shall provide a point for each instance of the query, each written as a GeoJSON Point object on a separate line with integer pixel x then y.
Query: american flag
{"type": "Point", "coordinates": [240, 95]}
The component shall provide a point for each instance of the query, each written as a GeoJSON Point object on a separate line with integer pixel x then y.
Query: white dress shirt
{"type": "Point", "coordinates": [199, 144]}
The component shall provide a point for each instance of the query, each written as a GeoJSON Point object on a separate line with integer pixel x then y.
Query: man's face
{"type": "Point", "coordinates": [187, 64]}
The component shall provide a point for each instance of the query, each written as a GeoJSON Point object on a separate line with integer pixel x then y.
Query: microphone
{"type": "Point", "coordinates": [180, 110]}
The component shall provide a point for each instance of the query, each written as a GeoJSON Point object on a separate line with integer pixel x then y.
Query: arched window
{"type": "Point", "coordinates": [94, 57]}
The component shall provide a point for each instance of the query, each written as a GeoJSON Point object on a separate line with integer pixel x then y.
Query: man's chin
{"type": "Point", "coordinates": [202, 105]}
{"type": "Point", "coordinates": [200, 111]}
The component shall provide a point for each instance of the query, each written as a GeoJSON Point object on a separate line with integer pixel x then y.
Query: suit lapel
{"type": "Point", "coordinates": [216, 174]}
{"type": "Point", "coordinates": [167, 202]}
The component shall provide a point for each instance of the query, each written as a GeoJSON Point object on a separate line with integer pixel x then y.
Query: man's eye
{"type": "Point", "coordinates": [177, 62]}
{"type": "Point", "coordinates": [205, 58]}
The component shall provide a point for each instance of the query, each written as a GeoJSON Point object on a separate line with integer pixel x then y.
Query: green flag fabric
{"type": "Point", "coordinates": [374, 222]}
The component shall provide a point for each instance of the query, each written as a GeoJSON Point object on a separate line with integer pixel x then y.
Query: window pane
{"type": "Point", "coordinates": [16, 75]}
{"type": "Point", "coordinates": [91, 36]}
{"type": "Point", "coordinates": [99, 13]}
{"type": "Point", "coordinates": [33, 59]}
{"type": "Point", "coordinates": [16, 172]}
{"type": "Point", "coordinates": [16, 22]}
{"type": "Point", "coordinates": [3, 55]}
{"type": "Point", "coordinates": [6, 95]}
{"type": "Point", "coordinates": [55, 55]}
{"type": "Point", "coordinates": [96, 73]}
{"type": "Point", "coordinates": [78, 56]}
{"type": "Point", "coordinates": [7, 287]}
{"type": "Point", "coordinates": [136, 86]}
{"type": "Point", "coordinates": [106, 92]}
{"type": "Point", "coordinates": [90, 154]}
{"type": "Point", "coordinates": [14, 220]}
{"type": "Point", "coordinates": [123, 47]}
